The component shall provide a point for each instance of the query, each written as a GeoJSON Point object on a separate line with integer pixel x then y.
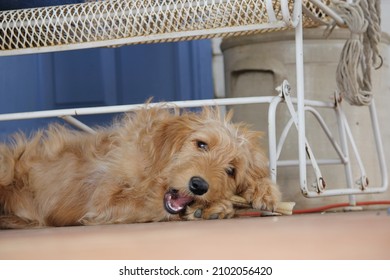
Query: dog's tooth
{"type": "Point", "coordinates": [198, 213]}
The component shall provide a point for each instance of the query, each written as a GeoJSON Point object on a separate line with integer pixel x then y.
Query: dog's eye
{"type": "Point", "coordinates": [230, 171]}
{"type": "Point", "coordinates": [202, 145]}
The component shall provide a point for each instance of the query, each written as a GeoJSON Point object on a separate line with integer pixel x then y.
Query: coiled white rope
{"type": "Point", "coordinates": [361, 51]}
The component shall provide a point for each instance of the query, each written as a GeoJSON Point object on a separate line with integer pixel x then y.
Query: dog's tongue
{"type": "Point", "coordinates": [175, 202]}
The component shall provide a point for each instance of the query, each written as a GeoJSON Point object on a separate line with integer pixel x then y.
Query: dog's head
{"type": "Point", "coordinates": [205, 158]}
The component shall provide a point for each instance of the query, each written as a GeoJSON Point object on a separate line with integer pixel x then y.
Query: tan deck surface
{"type": "Point", "coordinates": [357, 235]}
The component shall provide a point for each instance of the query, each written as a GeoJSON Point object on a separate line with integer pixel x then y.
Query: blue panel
{"type": "Point", "coordinates": [18, 84]}
{"type": "Point", "coordinates": [194, 64]}
{"type": "Point", "coordinates": [145, 71]}
{"type": "Point", "coordinates": [202, 70]}
{"type": "Point", "coordinates": [18, 89]}
{"type": "Point", "coordinates": [99, 77]}
{"type": "Point", "coordinates": [78, 78]}
{"type": "Point", "coordinates": [172, 71]}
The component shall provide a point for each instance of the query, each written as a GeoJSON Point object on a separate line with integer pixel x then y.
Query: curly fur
{"type": "Point", "coordinates": [62, 177]}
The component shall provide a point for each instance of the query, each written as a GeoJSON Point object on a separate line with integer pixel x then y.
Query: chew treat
{"type": "Point", "coordinates": [284, 208]}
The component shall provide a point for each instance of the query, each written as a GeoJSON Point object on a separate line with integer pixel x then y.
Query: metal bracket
{"type": "Point", "coordinates": [284, 92]}
{"type": "Point", "coordinates": [363, 181]}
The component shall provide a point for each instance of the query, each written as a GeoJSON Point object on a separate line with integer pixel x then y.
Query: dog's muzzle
{"type": "Point", "coordinates": [175, 202]}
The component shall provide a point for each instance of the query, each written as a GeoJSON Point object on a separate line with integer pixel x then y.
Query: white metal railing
{"type": "Point", "coordinates": [118, 22]}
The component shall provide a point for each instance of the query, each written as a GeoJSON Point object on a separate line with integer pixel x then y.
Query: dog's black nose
{"type": "Point", "coordinates": [198, 185]}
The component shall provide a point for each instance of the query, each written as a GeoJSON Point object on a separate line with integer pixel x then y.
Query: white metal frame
{"type": "Point", "coordinates": [297, 115]}
{"type": "Point", "coordinates": [344, 157]}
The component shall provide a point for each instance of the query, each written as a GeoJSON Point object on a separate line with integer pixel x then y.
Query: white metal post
{"type": "Point", "coordinates": [379, 147]}
{"type": "Point", "coordinates": [300, 102]}
{"type": "Point", "coordinates": [344, 147]}
{"type": "Point", "coordinates": [272, 142]}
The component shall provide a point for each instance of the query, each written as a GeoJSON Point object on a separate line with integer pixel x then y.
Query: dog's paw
{"type": "Point", "coordinates": [264, 196]}
{"type": "Point", "coordinates": [217, 210]}
{"type": "Point", "coordinates": [15, 222]}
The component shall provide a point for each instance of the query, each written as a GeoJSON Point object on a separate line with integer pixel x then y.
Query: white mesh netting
{"type": "Point", "coordinates": [136, 21]}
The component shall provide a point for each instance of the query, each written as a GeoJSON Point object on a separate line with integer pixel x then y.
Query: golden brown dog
{"type": "Point", "coordinates": [157, 164]}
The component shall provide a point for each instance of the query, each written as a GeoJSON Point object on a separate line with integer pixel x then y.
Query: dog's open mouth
{"type": "Point", "coordinates": [176, 202]}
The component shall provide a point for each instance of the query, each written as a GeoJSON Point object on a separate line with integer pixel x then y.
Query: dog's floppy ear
{"type": "Point", "coordinates": [254, 183]}
{"type": "Point", "coordinates": [170, 136]}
